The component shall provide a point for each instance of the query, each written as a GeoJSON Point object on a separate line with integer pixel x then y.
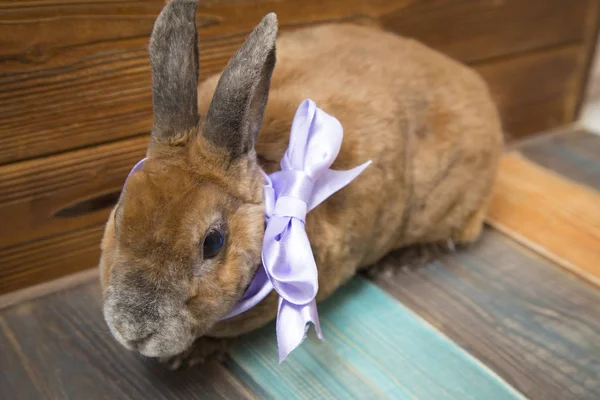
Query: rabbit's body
{"type": "Point", "coordinates": [427, 123]}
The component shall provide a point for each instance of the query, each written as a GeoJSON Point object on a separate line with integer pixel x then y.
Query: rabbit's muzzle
{"type": "Point", "coordinates": [155, 323]}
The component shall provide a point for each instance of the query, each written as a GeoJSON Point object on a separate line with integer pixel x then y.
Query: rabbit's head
{"type": "Point", "coordinates": [184, 240]}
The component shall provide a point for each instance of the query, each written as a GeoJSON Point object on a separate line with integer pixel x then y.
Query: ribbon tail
{"type": "Point", "coordinates": [331, 181]}
{"type": "Point", "coordinates": [259, 288]}
{"type": "Point", "coordinates": [292, 325]}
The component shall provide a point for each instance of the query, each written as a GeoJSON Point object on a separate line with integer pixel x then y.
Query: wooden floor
{"type": "Point", "coordinates": [544, 210]}
{"type": "Point", "coordinates": [494, 321]}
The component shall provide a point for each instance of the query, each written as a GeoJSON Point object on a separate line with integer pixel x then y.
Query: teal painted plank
{"type": "Point", "coordinates": [375, 348]}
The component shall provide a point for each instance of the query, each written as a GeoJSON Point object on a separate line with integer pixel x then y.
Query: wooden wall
{"type": "Point", "coordinates": [75, 101]}
{"type": "Point", "coordinates": [589, 115]}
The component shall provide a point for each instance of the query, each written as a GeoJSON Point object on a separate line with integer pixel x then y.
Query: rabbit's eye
{"type": "Point", "coordinates": [213, 243]}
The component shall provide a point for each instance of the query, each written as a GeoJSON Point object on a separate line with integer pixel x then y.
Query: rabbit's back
{"type": "Point", "coordinates": [377, 84]}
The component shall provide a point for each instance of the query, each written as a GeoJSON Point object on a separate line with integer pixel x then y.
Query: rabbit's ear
{"type": "Point", "coordinates": [236, 111]}
{"type": "Point", "coordinates": [174, 60]}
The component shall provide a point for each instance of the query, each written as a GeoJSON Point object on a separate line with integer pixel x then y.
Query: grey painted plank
{"type": "Point", "coordinates": [575, 155]}
{"type": "Point", "coordinates": [15, 376]}
{"type": "Point", "coordinates": [533, 323]}
{"type": "Point", "coordinates": [72, 355]}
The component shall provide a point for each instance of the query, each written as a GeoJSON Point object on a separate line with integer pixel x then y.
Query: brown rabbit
{"type": "Point", "coordinates": [427, 122]}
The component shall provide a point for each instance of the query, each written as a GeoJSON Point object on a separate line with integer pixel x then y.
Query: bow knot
{"type": "Point", "coordinates": [294, 195]}
{"type": "Point", "coordinates": [292, 207]}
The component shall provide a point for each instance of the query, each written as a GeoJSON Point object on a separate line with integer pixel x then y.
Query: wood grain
{"type": "Point", "coordinates": [14, 382]}
{"type": "Point", "coordinates": [374, 348]}
{"type": "Point", "coordinates": [74, 74]}
{"type": "Point", "coordinates": [53, 211]}
{"type": "Point", "coordinates": [530, 321]}
{"type": "Point", "coordinates": [43, 289]}
{"type": "Point", "coordinates": [546, 212]}
{"type": "Point", "coordinates": [52, 257]}
{"type": "Point", "coordinates": [33, 193]}
{"type": "Point", "coordinates": [59, 347]}
{"type": "Point", "coordinates": [531, 91]}
{"type": "Point", "coordinates": [502, 28]}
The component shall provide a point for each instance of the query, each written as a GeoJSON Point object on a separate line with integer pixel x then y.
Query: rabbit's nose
{"type": "Point", "coordinates": [133, 338]}
{"type": "Point", "coordinates": [136, 344]}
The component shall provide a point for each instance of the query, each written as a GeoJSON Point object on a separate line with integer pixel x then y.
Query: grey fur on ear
{"type": "Point", "coordinates": [236, 111]}
{"type": "Point", "coordinates": [174, 61]}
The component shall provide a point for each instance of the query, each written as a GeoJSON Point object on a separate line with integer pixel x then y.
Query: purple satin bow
{"type": "Point", "coordinates": [303, 183]}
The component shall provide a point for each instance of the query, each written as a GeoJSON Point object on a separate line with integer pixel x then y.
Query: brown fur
{"type": "Point", "coordinates": [426, 121]}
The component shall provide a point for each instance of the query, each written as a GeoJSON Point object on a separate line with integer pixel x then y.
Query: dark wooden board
{"type": "Point", "coordinates": [53, 210]}
{"type": "Point", "coordinates": [575, 155]}
{"type": "Point", "coordinates": [533, 91]}
{"type": "Point", "coordinates": [73, 74]}
{"type": "Point", "coordinates": [533, 323]}
{"type": "Point", "coordinates": [57, 194]}
{"type": "Point", "coordinates": [46, 259]}
{"type": "Point", "coordinates": [502, 28]}
{"type": "Point", "coordinates": [59, 347]}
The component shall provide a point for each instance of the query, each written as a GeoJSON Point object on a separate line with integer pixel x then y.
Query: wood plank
{"type": "Point", "coordinates": [374, 348]}
{"type": "Point", "coordinates": [15, 383]}
{"type": "Point", "coordinates": [558, 218]}
{"type": "Point", "coordinates": [51, 257]}
{"type": "Point", "coordinates": [76, 74]}
{"type": "Point", "coordinates": [531, 90]}
{"type": "Point", "coordinates": [502, 28]}
{"type": "Point", "coordinates": [68, 352]}
{"type": "Point", "coordinates": [34, 291]}
{"type": "Point", "coordinates": [574, 155]}
{"type": "Point", "coordinates": [533, 323]}
{"type": "Point", "coordinates": [37, 197]}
